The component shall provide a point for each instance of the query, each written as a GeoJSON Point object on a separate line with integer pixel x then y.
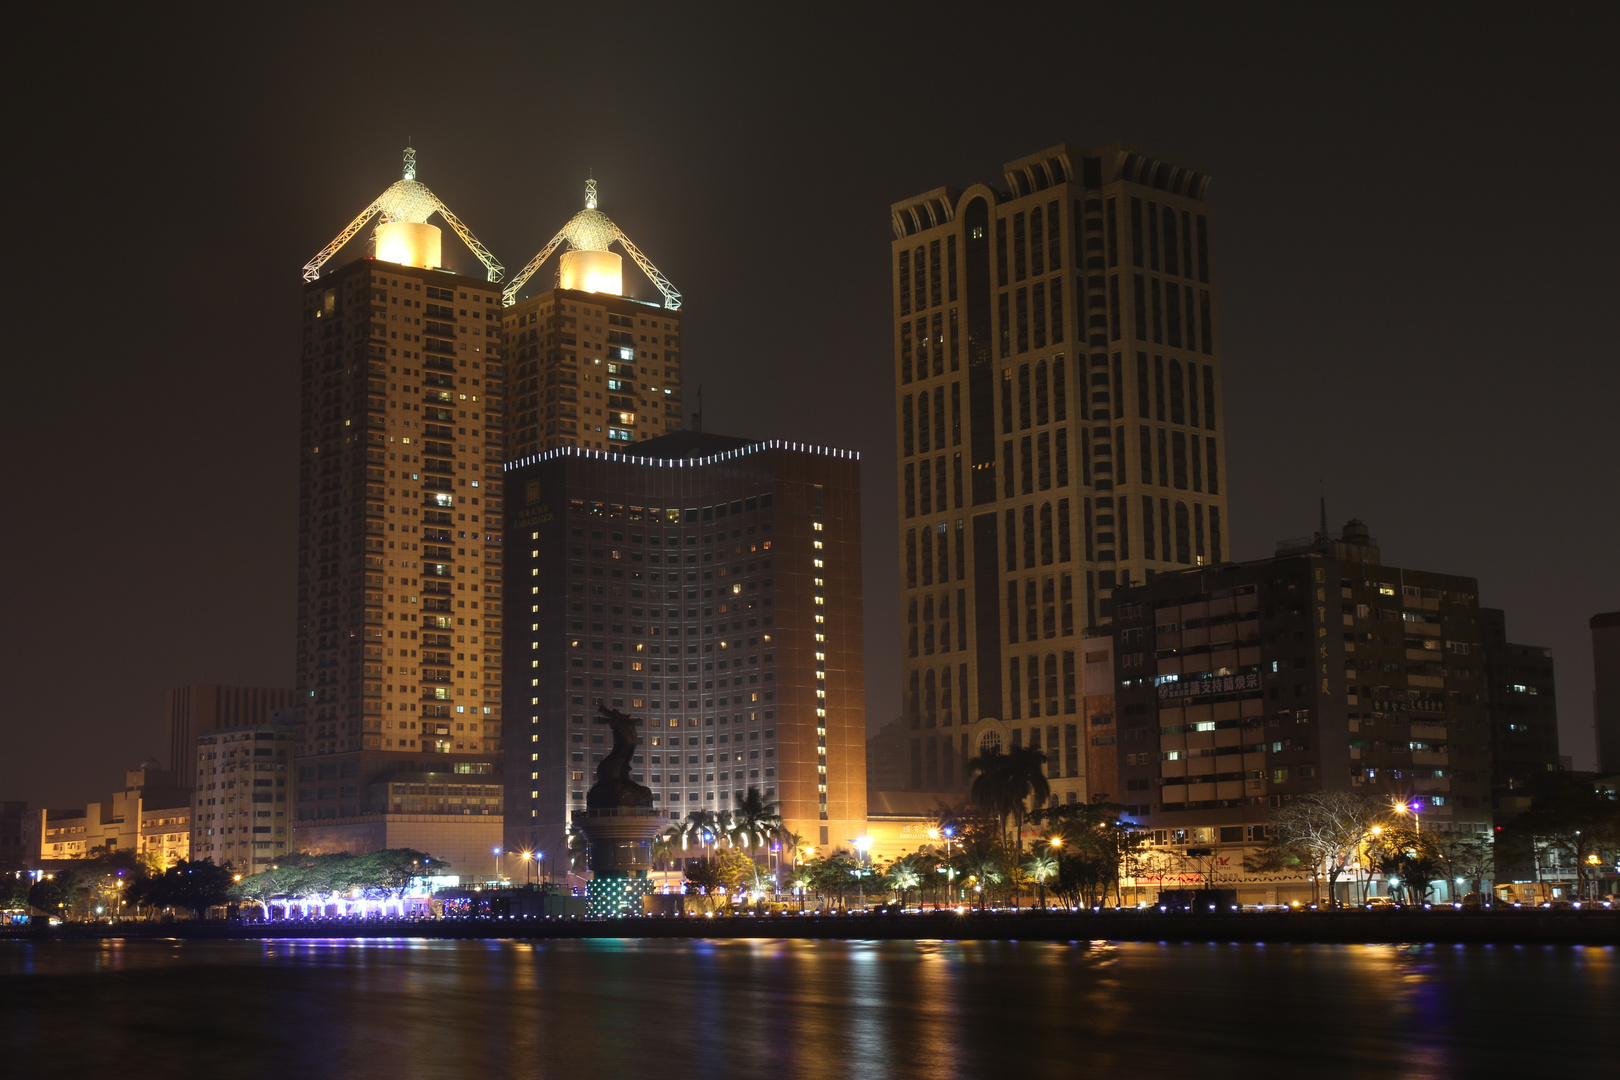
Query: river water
{"type": "Point", "coordinates": [398, 1008]}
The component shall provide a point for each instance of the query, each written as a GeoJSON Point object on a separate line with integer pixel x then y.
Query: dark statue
{"type": "Point", "coordinates": [614, 786]}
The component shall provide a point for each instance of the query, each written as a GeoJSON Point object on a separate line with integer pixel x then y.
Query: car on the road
{"type": "Point", "coordinates": [1381, 903]}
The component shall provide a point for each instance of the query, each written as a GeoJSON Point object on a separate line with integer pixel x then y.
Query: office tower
{"type": "Point", "coordinates": [399, 546]}
{"type": "Point", "coordinates": [709, 587]}
{"type": "Point", "coordinates": [1524, 717]}
{"type": "Point", "coordinates": [242, 792]}
{"type": "Point", "coordinates": [1058, 387]}
{"type": "Point", "coordinates": [1246, 685]}
{"type": "Point", "coordinates": [204, 707]}
{"type": "Point", "coordinates": [592, 367]}
{"type": "Point", "coordinates": [1605, 629]}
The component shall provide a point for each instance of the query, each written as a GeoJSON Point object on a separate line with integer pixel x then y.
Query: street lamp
{"type": "Point", "coordinates": [497, 852]}
{"type": "Point", "coordinates": [863, 845]}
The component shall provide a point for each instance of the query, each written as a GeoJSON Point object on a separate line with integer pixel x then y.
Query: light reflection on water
{"type": "Point", "coordinates": [403, 1008]}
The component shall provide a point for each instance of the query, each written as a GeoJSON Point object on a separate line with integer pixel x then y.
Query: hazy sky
{"type": "Point", "coordinates": [1414, 234]}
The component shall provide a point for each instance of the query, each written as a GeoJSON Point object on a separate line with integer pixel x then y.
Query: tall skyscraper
{"type": "Point", "coordinates": [399, 546]}
{"type": "Point", "coordinates": [1058, 387]}
{"type": "Point", "coordinates": [592, 367]}
{"type": "Point", "coordinates": [708, 586]}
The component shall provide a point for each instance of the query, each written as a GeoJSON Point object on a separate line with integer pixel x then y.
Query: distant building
{"type": "Point", "coordinates": [1243, 686]}
{"type": "Point", "coordinates": [204, 707]}
{"type": "Point", "coordinates": [1101, 730]}
{"type": "Point", "coordinates": [709, 586]}
{"type": "Point", "coordinates": [1606, 690]}
{"type": "Point", "coordinates": [1058, 386]}
{"type": "Point", "coordinates": [886, 757]}
{"type": "Point", "coordinates": [12, 816]}
{"type": "Point", "coordinates": [1524, 718]}
{"type": "Point", "coordinates": [151, 817]}
{"type": "Point", "coordinates": [242, 800]}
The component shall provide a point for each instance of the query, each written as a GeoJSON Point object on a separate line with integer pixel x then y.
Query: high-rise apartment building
{"type": "Point", "coordinates": [708, 586]}
{"type": "Point", "coordinates": [399, 546]}
{"type": "Point", "coordinates": [1058, 387]}
{"type": "Point", "coordinates": [591, 367]}
{"type": "Point", "coordinates": [205, 707]}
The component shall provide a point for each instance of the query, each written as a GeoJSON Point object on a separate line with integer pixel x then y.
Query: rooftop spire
{"type": "Point", "coordinates": [410, 202]}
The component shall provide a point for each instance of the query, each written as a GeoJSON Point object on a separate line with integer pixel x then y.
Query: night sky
{"type": "Point", "coordinates": [1414, 226]}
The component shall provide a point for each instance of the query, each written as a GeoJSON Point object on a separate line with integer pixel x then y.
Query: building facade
{"type": "Point", "coordinates": [709, 587]}
{"type": "Point", "coordinates": [1524, 718]}
{"type": "Point", "coordinates": [150, 817]}
{"type": "Point", "coordinates": [593, 370]}
{"type": "Point", "coordinates": [1243, 686]}
{"type": "Point", "coordinates": [1059, 401]}
{"type": "Point", "coordinates": [399, 562]}
{"type": "Point", "coordinates": [196, 709]}
{"type": "Point", "coordinates": [242, 795]}
{"type": "Point", "coordinates": [591, 366]}
{"type": "Point", "coordinates": [1605, 629]}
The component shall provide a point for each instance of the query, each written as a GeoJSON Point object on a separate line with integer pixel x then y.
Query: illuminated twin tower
{"type": "Point", "coordinates": [417, 385]}
{"type": "Point", "coordinates": [404, 236]}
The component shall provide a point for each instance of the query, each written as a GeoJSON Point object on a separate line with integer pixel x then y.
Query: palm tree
{"type": "Point", "coordinates": [984, 865]}
{"type": "Point", "coordinates": [903, 876]}
{"type": "Point", "coordinates": [1004, 782]}
{"type": "Point", "coordinates": [755, 821]}
{"type": "Point", "coordinates": [699, 828]}
{"type": "Point", "coordinates": [1040, 869]}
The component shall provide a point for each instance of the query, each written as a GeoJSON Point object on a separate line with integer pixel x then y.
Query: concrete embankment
{"type": "Point", "coordinates": [1347, 927]}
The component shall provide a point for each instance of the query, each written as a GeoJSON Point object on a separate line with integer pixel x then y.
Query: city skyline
{"type": "Point", "coordinates": [1422, 323]}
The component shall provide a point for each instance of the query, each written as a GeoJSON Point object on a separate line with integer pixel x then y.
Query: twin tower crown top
{"type": "Point", "coordinates": [404, 236]}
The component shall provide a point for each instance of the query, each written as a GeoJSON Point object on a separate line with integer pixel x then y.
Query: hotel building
{"type": "Point", "coordinates": [708, 586]}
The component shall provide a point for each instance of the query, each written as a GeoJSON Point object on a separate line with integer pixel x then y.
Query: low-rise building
{"type": "Point", "coordinates": [242, 797]}
{"type": "Point", "coordinates": [150, 817]}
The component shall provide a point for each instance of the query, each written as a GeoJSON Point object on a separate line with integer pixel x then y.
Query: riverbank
{"type": "Point", "coordinates": [1309, 927]}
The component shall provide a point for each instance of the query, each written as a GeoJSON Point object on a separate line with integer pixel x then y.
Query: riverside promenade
{"type": "Point", "coordinates": [1441, 925]}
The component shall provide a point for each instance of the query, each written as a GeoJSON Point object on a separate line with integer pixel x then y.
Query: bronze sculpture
{"type": "Point", "coordinates": [614, 785]}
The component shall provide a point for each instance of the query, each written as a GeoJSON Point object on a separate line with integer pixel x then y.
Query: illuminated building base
{"type": "Point", "coordinates": [620, 844]}
{"type": "Point", "coordinates": [608, 897]}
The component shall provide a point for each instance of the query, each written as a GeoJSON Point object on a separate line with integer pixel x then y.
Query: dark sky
{"type": "Point", "coordinates": [1416, 235]}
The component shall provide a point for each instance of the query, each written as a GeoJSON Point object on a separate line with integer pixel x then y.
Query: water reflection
{"type": "Point", "coordinates": [402, 1008]}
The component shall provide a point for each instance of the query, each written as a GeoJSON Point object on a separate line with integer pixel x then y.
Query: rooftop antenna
{"type": "Point", "coordinates": [406, 200]}
{"type": "Point", "coordinates": [590, 230]}
{"type": "Point", "coordinates": [1324, 515]}
{"type": "Point", "coordinates": [697, 417]}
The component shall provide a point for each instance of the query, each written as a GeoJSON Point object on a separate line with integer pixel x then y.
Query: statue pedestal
{"type": "Point", "coordinates": [619, 841]}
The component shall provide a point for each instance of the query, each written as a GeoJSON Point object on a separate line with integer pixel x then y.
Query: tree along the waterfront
{"type": "Point", "coordinates": [1005, 782]}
